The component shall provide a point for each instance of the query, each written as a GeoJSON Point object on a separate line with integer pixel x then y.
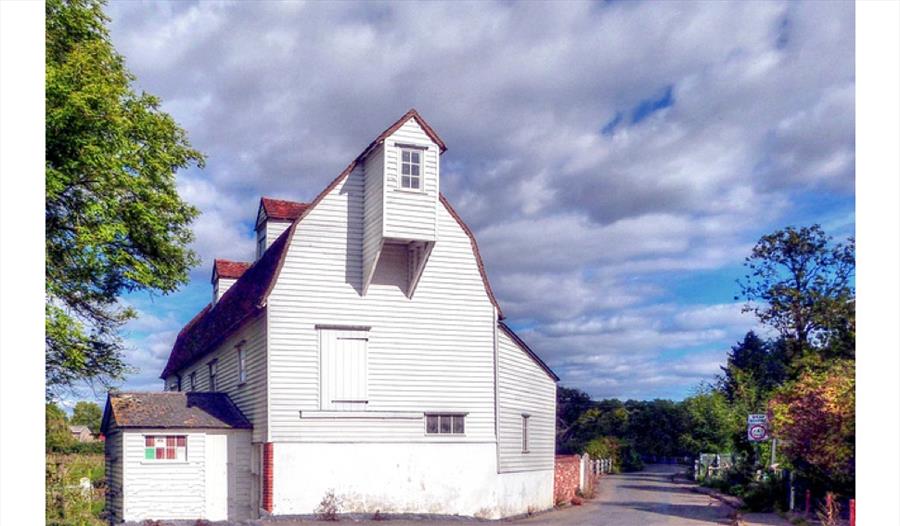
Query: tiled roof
{"type": "Point", "coordinates": [173, 410]}
{"type": "Point", "coordinates": [244, 299]}
{"type": "Point", "coordinates": [282, 210]}
{"type": "Point", "coordinates": [524, 346]}
{"type": "Point", "coordinates": [229, 269]}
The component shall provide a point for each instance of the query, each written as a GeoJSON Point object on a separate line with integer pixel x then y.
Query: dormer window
{"type": "Point", "coordinates": [410, 168]}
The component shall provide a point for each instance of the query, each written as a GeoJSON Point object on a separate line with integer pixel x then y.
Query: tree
{"type": "Point", "coordinates": [87, 414]}
{"type": "Point", "coordinates": [570, 404]}
{"type": "Point", "coordinates": [56, 428]}
{"type": "Point", "coordinates": [814, 419]}
{"type": "Point", "coordinates": [114, 220]}
{"type": "Point", "coordinates": [752, 370]}
{"type": "Point", "coordinates": [800, 283]}
{"type": "Point", "coordinates": [711, 423]}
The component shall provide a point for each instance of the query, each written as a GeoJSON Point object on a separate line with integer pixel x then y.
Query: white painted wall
{"type": "Point", "coordinates": [524, 388]}
{"type": "Point", "coordinates": [405, 478]}
{"type": "Point", "coordinates": [274, 228]}
{"type": "Point", "coordinates": [433, 352]}
{"type": "Point", "coordinates": [220, 288]}
{"type": "Point", "coordinates": [410, 214]}
{"type": "Point", "coordinates": [249, 397]}
{"type": "Point", "coordinates": [178, 490]}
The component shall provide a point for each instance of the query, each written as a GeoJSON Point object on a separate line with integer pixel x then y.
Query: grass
{"type": "Point", "coordinates": [67, 503]}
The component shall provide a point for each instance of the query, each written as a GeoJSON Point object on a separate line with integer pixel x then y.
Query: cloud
{"type": "Point", "coordinates": [592, 149]}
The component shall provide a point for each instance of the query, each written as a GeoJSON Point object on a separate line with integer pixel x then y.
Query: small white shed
{"type": "Point", "coordinates": [176, 455]}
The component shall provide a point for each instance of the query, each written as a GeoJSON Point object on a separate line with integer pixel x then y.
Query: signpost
{"type": "Point", "coordinates": [757, 428]}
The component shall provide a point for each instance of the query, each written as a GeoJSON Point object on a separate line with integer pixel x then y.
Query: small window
{"type": "Point", "coordinates": [165, 447]}
{"type": "Point", "coordinates": [213, 369]}
{"type": "Point", "coordinates": [193, 380]}
{"type": "Point", "coordinates": [176, 383]}
{"type": "Point", "coordinates": [242, 365]}
{"type": "Point", "coordinates": [525, 433]}
{"type": "Point", "coordinates": [411, 169]}
{"type": "Point", "coordinates": [260, 242]}
{"type": "Point", "coordinates": [440, 424]}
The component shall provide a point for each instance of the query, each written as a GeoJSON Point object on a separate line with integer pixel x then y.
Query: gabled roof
{"type": "Point", "coordinates": [280, 209]}
{"type": "Point", "coordinates": [248, 296]}
{"type": "Point", "coordinates": [224, 268]}
{"type": "Point", "coordinates": [524, 346]}
{"type": "Point", "coordinates": [173, 410]}
{"type": "Point", "coordinates": [238, 305]}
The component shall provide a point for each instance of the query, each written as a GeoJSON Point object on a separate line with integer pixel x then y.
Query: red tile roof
{"type": "Point", "coordinates": [229, 269]}
{"type": "Point", "coordinates": [248, 296]}
{"type": "Point", "coordinates": [281, 209]}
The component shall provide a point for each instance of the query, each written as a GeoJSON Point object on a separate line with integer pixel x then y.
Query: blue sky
{"type": "Point", "coordinates": [616, 160]}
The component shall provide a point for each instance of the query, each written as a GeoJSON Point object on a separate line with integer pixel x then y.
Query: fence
{"type": "Point", "coordinates": [576, 475]}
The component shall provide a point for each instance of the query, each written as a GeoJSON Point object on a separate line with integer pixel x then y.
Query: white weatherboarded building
{"type": "Point", "coordinates": [368, 353]}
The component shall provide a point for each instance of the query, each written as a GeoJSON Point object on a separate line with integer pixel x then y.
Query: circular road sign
{"type": "Point", "coordinates": [757, 432]}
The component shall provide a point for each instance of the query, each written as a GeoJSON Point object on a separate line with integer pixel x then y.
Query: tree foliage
{"type": "Point", "coordinates": [799, 282]}
{"type": "Point", "coordinates": [56, 428]}
{"type": "Point", "coordinates": [114, 220]}
{"type": "Point", "coordinates": [87, 414]}
{"type": "Point", "coordinates": [815, 418]}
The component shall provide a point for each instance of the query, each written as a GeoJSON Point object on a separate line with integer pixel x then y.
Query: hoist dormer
{"type": "Point", "coordinates": [225, 274]}
{"type": "Point", "coordinates": [401, 197]}
{"type": "Point", "coordinates": [273, 218]}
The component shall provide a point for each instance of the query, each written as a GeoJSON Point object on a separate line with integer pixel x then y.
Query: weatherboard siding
{"type": "Point", "coordinates": [373, 209]}
{"type": "Point", "coordinates": [411, 214]}
{"type": "Point", "coordinates": [524, 388]}
{"type": "Point", "coordinates": [114, 467]}
{"type": "Point", "coordinates": [274, 228]}
{"type": "Point", "coordinates": [433, 352]}
{"type": "Point", "coordinates": [250, 397]}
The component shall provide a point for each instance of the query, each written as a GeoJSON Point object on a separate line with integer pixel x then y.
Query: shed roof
{"type": "Point", "coordinates": [224, 268]}
{"type": "Point", "coordinates": [172, 409]}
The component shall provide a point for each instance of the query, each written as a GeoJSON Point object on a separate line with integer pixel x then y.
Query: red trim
{"type": "Point", "coordinates": [268, 478]}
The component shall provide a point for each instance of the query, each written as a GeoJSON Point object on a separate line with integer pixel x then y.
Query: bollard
{"type": "Point", "coordinates": [808, 497]}
{"type": "Point", "coordinates": [852, 512]}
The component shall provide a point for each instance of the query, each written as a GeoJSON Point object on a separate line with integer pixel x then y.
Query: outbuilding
{"type": "Point", "coordinates": [177, 455]}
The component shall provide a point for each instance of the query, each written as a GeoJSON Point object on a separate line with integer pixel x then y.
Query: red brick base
{"type": "Point", "coordinates": [268, 479]}
{"type": "Point", "coordinates": [566, 475]}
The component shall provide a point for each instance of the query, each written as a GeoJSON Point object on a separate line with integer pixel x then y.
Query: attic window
{"type": "Point", "coordinates": [410, 168]}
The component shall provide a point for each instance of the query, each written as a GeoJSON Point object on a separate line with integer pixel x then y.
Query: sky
{"type": "Point", "coordinates": [615, 160]}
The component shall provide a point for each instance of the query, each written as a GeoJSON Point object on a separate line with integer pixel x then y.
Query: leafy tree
{"type": "Point", "coordinates": [655, 426]}
{"type": "Point", "coordinates": [711, 423]}
{"type": "Point", "coordinates": [800, 283]}
{"type": "Point", "coordinates": [752, 370]}
{"type": "Point", "coordinates": [56, 428]}
{"type": "Point", "coordinates": [571, 403]}
{"type": "Point", "coordinates": [814, 419]}
{"type": "Point", "coordinates": [114, 220]}
{"type": "Point", "coordinates": [87, 414]}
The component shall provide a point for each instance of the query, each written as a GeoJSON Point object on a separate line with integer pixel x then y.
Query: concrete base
{"type": "Point", "coordinates": [434, 479]}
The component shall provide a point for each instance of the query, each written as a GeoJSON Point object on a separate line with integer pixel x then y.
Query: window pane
{"type": "Point", "coordinates": [459, 424]}
{"type": "Point", "coordinates": [415, 169]}
{"type": "Point", "coordinates": [149, 442]}
{"type": "Point", "coordinates": [431, 424]}
{"type": "Point", "coordinates": [160, 453]}
{"type": "Point", "coordinates": [415, 157]}
{"type": "Point", "coordinates": [414, 183]}
{"type": "Point", "coordinates": [405, 156]}
{"type": "Point", "coordinates": [170, 453]}
{"type": "Point", "coordinates": [160, 441]}
{"type": "Point", "coordinates": [180, 453]}
{"type": "Point", "coordinates": [445, 424]}
{"type": "Point", "coordinates": [149, 453]}
{"type": "Point", "coordinates": [170, 441]}
{"type": "Point", "coordinates": [405, 169]}
{"type": "Point", "coordinates": [182, 441]}
{"type": "Point", "coordinates": [405, 181]}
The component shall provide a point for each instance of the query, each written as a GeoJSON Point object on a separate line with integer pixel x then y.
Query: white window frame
{"type": "Point", "coordinates": [242, 364]}
{"type": "Point", "coordinates": [213, 370]}
{"type": "Point", "coordinates": [453, 419]}
{"type": "Point", "coordinates": [525, 418]}
{"type": "Point", "coordinates": [177, 460]}
{"type": "Point", "coordinates": [420, 177]}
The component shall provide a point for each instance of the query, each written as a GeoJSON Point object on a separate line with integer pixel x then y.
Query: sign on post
{"type": "Point", "coordinates": [757, 428]}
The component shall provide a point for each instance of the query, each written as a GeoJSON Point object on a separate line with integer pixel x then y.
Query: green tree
{"type": "Point", "coordinates": [800, 283]}
{"type": "Point", "coordinates": [57, 435]}
{"type": "Point", "coordinates": [753, 368]}
{"type": "Point", "coordinates": [571, 403]}
{"type": "Point", "coordinates": [711, 423]}
{"type": "Point", "coordinates": [87, 414]}
{"type": "Point", "coordinates": [114, 220]}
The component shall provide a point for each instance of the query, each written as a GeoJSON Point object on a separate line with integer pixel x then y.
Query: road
{"type": "Point", "coordinates": [647, 498]}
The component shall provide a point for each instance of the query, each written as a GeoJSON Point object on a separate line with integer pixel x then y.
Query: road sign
{"type": "Point", "coordinates": [757, 428]}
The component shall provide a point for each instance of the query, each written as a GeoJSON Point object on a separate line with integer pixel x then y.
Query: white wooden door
{"type": "Point", "coordinates": [344, 369]}
{"type": "Point", "coordinates": [217, 477]}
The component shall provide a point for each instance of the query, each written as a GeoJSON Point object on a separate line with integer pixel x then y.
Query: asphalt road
{"type": "Point", "coordinates": [647, 498]}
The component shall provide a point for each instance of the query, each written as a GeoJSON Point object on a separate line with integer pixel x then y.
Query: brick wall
{"type": "Point", "coordinates": [566, 474]}
{"type": "Point", "coordinates": [268, 461]}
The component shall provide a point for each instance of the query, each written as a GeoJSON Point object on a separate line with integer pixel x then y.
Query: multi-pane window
{"type": "Point", "coordinates": [165, 447]}
{"type": "Point", "coordinates": [242, 365]}
{"type": "Point", "coordinates": [213, 370]}
{"type": "Point", "coordinates": [525, 433]}
{"type": "Point", "coordinates": [193, 379]}
{"type": "Point", "coordinates": [411, 169]}
{"type": "Point", "coordinates": [445, 424]}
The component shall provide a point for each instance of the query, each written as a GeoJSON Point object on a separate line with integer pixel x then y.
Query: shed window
{"type": "Point", "coordinates": [525, 433]}
{"type": "Point", "coordinates": [242, 364]}
{"type": "Point", "coordinates": [411, 168]}
{"type": "Point", "coordinates": [213, 370]}
{"type": "Point", "coordinates": [165, 447]}
{"type": "Point", "coordinates": [445, 424]}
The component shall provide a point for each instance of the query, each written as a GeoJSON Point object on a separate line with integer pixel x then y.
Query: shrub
{"type": "Point", "coordinates": [765, 495]}
{"type": "Point", "coordinates": [329, 507]}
